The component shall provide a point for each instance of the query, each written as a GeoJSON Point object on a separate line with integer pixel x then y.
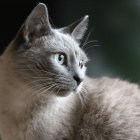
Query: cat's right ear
{"type": "Point", "coordinates": [37, 23]}
{"type": "Point", "coordinates": [77, 29]}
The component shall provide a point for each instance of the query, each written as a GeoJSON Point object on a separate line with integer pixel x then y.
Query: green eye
{"type": "Point", "coordinates": [60, 58]}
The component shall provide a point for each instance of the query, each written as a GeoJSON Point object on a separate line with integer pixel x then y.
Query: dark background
{"type": "Point", "coordinates": [115, 24]}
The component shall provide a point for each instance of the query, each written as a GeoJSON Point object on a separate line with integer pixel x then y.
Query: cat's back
{"type": "Point", "coordinates": [113, 111]}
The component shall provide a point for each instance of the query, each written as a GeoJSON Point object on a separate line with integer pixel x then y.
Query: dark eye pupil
{"type": "Point", "coordinates": [81, 64]}
{"type": "Point", "coordinates": [61, 57]}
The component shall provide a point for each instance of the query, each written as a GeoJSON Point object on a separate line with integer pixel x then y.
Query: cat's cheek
{"type": "Point", "coordinates": [82, 72]}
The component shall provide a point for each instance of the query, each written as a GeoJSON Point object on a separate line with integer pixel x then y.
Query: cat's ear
{"type": "Point", "coordinates": [78, 28]}
{"type": "Point", "coordinates": [37, 23]}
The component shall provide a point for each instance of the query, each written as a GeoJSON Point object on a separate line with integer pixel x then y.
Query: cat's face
{"type": "Point", "coordinates": [50, 59]}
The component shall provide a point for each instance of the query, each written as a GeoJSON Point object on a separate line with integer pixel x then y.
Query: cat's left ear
{"type": "Point", "coordinates": [78, 28]}
{"type": "Point", "coordinates": [37, 23]}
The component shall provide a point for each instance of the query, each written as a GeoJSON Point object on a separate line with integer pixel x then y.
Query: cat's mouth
{"type": "Point", "coordinates": [63, 91]}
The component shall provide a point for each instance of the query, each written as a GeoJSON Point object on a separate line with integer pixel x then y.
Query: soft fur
{"type": "Point", "coordinates": [113, 111]}
{"type": "Point", "coordinates": [42, 98]}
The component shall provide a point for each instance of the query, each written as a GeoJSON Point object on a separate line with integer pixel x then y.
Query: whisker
{"type": "Point", "coordinates": [59, 88]}
{"type": "Point", "coordinates": [91, 41]}
{"type": "Point", "coordinates": [86, 40]}
{"type": "Point", "coordinates": [82, 96]}
{"type": "Point", "coordinates": [34, 69]}
{"type": "Point", "coordinates": [91, 47]}
{"type": "Point", "coordinates": [42, 91]}
{"type": "Point", "coordinates": [37, 81]}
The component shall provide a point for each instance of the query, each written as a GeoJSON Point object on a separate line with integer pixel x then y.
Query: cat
{"type": "Point", "coordinates": [46, 95]}
{"type": "Point", "coordinates": [39, 74]}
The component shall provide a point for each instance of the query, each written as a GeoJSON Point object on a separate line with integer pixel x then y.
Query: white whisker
{"type": "Point", "coordinates": [86, 40]}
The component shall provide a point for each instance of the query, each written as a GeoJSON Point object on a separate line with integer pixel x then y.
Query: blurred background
{"type": "Point", "coordinates": [114, 29]}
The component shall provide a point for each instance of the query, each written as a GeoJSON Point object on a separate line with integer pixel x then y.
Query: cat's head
{"type": "Point", "coordinates": [46, 58]}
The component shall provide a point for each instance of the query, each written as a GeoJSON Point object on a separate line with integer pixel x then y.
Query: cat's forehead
{"type": "Point", "coordinates": [61, 42]}
{"type": "Point", "coordinates": [69, 45]}
{"type": "Point", "coordinates": [65, 41]}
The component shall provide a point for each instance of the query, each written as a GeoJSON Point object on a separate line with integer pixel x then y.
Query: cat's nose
{"type": "Point", "coordinates": [77, 79]}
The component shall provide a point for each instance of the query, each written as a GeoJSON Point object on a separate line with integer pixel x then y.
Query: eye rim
{"type": "Point", "coordinates": [81, 64]}
{"type": "Point", "coordinates": [65, 57]}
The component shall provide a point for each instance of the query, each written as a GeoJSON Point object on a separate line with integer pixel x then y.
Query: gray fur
{"type": "Point", "coordinates": [41, 99]}
{"type": "Point", "coordinates": [37, 94]}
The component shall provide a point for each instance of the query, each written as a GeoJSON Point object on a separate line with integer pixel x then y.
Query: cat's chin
{"type": "Point", "coordinates": [67, 92]}
{"type": "Point", "coordinates": [63, 93]}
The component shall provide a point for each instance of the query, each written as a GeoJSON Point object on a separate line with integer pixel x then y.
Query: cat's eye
{"type": "Point", "coordinates": [81, 64]}
{"type": "Point", "coordinates": [60, 58]}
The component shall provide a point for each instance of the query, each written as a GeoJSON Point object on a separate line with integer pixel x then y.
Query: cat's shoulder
{"type": "Point", "coordinates": [112, 111]}
{"type": "Point", "coordinates": [113, 90]}
{"type": "Point", "coordinates": [108, 83]}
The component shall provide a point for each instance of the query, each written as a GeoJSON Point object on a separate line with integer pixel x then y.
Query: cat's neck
{"type": "Point", "coordinates": [17, 108]}
{"type": "Point", "coordinates": [18, 114]}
